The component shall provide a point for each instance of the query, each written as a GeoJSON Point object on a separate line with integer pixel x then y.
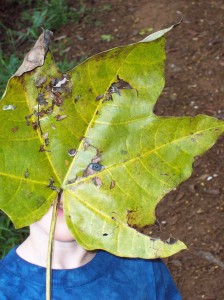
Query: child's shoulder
{"type": "Point", "coordinates": [148, 275]}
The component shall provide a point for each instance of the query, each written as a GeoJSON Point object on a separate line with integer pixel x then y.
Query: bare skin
{"type": "Point", "coordinates": [67, 254]}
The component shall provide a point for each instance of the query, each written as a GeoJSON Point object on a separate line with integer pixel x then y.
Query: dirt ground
{"type": "Point", "coordinates": [193, 212]}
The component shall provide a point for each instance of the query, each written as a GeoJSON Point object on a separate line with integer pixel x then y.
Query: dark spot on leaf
{"type": "Point", "coordinates": [58, 101]}
{"type": "Point", "coordinates": [60, 117]}
{"type": "Point", "coordinates": [171, 240]}
{"type": "Point", "coordinates": [14, 129]}
{"type": "Point", "coordinates": [27, 121]}
{"type": "Point", "coordinates": [131, 218]}
{"type": "Point", "coordinates": [35, 125]}
{"type": "Point", "coordinates": [48, 35]}
{"type": "Point", "coordinates": [108, 97]}
{"type": "Point", "coordinates": [112, 184]}
{"type": "Point", "coordinates": [26, 174]}
{"type": "Point", "coordinates": [77, 98]}
{"type": "Point", "coordinates": [114, 219]}
{"type": "Point", "coordinates": [99, 97]}
{"type": "Point", "coordinates": [40, 81]}
{"type": "Point", "coordinates": [97, 181]}
{"type": "Point", "coordinates": [97, 112]}
{"type": "Point", "coordinates": [41, 113]}
{"type": "Point", "coordinates": [81, 138]}
{"type": "Point", "coordinates": [54, 81]}
{"type": "Point", "coordinates": [105, 234]}
{"type": "Point", "coordinates": [71, 181]}
{"type": "Point", "coordinates": [46, 142]}
{"type": "Point", "coordinates": [42, 149]}
{"type": "Point", "coordinates": [124, 152]}
{"type": "Point", "coordinates": [41, 100]}
{"type": "Point", "coordinates": [50, 109]}
{"type": "Point", "coordinates": [86, 145]}
{"type": "Point", "coordinates": [46, 139]}
{"type": "Point", "coordinates": [51, 185]}
{"type": "Point", "coordinates": [72, 152]}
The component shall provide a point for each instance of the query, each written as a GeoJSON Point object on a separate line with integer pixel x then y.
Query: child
{"type": "Point", "coordinates": [77, 273]}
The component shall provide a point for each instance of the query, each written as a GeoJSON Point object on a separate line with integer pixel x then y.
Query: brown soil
{"type": "Point", "coordinates": [194, 84]}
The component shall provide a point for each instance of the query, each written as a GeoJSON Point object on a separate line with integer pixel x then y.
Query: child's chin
{"type": "Point", "coordinates": [63, 234]}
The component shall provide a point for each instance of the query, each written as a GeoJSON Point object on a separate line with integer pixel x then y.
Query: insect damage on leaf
{"type": "Point", "coordinates": [58, 100]}
{"type": "Point", "coordinates": [46, 138]}
{"type": "Point", "coordinates": [131, 218]}
{"type": "Point", "coordinates": [35, 125]}
{"type": "Point", "coordinates": [42, 149]}
{"type": "Point", "coordinates": [27, 119]}
{"type": "Point", "coordinates": [26, 174]}
{"type": "Point", "coordinates": [50, 96]}
{"type": "Point", "coordinates": [72, 152]}
{"type": "Point", "coordinates": [58, 83]}
{"type": "Point", "coordinates": [115, 88]}
{"type": "Point", "coordinates": [97, 181]}
{"type": "Point", "coordinates": [40, 81]}
{"type": "Point", "coordinates": [9, 107]}
{"type": "Point", "coordinates": [112, 184]}
{"type": "Point", "coordinates": [41, 100]}
{"type": "Point", "coordinates": [77, 98]}
{"type": "Point", "coordinates": [60, 117]}
{"type": "Point", "coordinates": [71, 181]}
{"type": "Point", "coordinates": [51, 185]}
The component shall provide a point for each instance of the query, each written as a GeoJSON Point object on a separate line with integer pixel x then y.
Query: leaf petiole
{"type": "Point", "coordinates": [50, 246]}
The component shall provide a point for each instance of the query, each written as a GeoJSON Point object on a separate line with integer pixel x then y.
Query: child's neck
{"type": "Point", "coordinates": [66, 255]}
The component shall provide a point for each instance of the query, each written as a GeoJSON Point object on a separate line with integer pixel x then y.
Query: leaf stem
{"type": "Point", "coordinates": [50, 246]}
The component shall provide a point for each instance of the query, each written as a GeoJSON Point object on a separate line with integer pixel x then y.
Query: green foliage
{"type": "Point", "coordinates": [52, 15]}
{"type": "Point", "coordinates": [106, 37]}
{"type": "Point", "coordinates": [8, 66]}
{"type": "Point", "coordinates": [9, 236]}
{"type": "Point", "coordinates": [92, 133]}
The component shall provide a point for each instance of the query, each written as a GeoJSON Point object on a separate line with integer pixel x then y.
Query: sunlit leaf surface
{"type": "Point", "coordinates": [92, 133]}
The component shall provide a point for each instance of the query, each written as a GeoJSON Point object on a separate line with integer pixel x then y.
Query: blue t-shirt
{"type": "Point", "coordinates": [106, 277]}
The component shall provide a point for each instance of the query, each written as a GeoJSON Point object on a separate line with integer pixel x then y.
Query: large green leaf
{"type": "Point", "coordinates": [100, 143]}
